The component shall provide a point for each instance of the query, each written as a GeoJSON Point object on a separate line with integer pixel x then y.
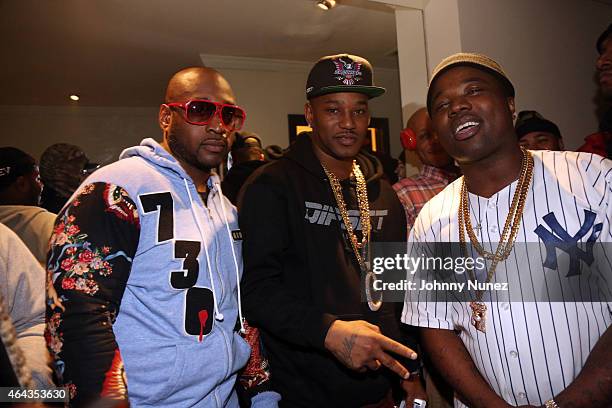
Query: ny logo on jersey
{"type": "Point", "coordinates": [561, 239]}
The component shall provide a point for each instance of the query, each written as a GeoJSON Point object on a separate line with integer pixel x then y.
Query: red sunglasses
{"type": "Point", "coordinates": [201, 111]}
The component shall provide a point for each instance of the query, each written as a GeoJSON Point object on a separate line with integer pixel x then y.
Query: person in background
{"type": "Point", "coordinates": [388, 165]}
{"type": "Point", "coordinates": [537, 133]}
{"type": "Point", "coordinates": [400, 170]}
{"type": "Point", "coordinates": [438, 168]}
{"type": "Point", "coordinates": [247, 156]}
{"type": "Point", "coordinates": [22, 287]}
{"type": "Point", "coordinates": [20, 190]}
{"type": "Point", "coordinates": [273, 152]}
{"type": "Point", "coordinates": [147, 260]}
{"type": "Point", "coordinates": [601, 141]}
{"type": "Point", "coordinates": [63, 167]}
{"type": "Point", "coordinates": [304, 255]}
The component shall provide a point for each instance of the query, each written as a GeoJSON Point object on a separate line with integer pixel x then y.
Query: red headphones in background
{"type": "Point", "coordinates": [408, 138]}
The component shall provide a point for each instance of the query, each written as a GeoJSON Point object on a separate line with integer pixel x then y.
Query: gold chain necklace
{"type": "Point", "coordinates": [506, 241]}
{"type": "Point", "coordinates": [359, 248]}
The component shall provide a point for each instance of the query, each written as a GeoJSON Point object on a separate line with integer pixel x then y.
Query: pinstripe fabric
{"type": "Point", "coordinates": [531, 351]}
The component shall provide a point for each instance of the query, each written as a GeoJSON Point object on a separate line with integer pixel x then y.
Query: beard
{"type": "Point", "coordinates": [183, 153]}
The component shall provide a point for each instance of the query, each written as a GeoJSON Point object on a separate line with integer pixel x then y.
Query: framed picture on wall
{"type": "Point", "coordinates": [378, 132]}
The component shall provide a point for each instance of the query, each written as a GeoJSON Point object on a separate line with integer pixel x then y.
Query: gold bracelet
{"type": "Point", "coordinates": [551, 404]}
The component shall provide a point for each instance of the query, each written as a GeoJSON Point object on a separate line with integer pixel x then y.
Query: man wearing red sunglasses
{"type": "Point", "coordinates": [146, 261]}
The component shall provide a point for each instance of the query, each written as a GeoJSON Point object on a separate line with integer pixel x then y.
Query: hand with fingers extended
{"type": "Point", "coordinates": [359, 345]}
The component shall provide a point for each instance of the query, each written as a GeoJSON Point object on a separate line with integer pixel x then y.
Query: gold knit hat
{"type": "Point", "coordinates": [471, 59]}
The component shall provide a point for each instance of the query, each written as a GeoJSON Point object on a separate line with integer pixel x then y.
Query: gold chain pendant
{"type": "Point", "coordinates": [507, 238]}
{"type": "Point", "coordinates": [479, 316]}
{"type": "Point", "coordinates": [359, 248]}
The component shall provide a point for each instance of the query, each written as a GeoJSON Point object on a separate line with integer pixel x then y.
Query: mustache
{"type": "Point", "coordinates": [214, 141]}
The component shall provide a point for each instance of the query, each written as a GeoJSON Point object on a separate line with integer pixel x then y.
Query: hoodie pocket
{"type": "Point", "coordinates": [189, 372]}
{"type": "Point", "coordinates": [174, 374]}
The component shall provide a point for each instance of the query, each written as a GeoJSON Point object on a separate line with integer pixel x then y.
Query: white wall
{"type": "Point", "coordinates": [547, 48]}
{"type": "Point", "coordinates": [442, 31]}
{"type": "Point", "coordinates": [103, 132]}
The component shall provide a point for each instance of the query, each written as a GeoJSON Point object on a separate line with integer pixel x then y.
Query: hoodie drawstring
{"type": "Point", "coordinates": [229, 234]}
{"type": "Point", "coordinates": [218, 314]}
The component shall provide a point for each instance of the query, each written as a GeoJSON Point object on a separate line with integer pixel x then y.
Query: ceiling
{"type": "Point", "coordinates": [121, 53]}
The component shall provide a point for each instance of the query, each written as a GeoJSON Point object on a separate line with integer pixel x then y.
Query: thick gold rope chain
{"type": "Point", "coordinates": [364, 210]}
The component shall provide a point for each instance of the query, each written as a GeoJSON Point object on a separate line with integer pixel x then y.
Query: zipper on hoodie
{"type": "Point", "coordinates": [216, 243]}
{"type": "Point", "coordinates": [230, 359]}
{"type": "Point", "coordinates": [210, 231]}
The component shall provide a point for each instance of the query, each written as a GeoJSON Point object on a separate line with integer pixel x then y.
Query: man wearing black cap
{"type": "Point", "coordinates": [601, 141]}
{"type": "Point", "coordinates": [302, 283]}
{"type": "Point", "coordinates": [527, 335]}
{"type": "Point", "coordinates": [20, 190]}
{"type": "Point", "coordinates": [534, 132]}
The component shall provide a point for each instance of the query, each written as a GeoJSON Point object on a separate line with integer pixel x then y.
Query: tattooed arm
{"type": "Point", "coordinates": [359, 345]}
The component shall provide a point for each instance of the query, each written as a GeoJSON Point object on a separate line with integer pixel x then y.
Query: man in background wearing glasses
{"type": "Point", "coordinates": [146, 259]}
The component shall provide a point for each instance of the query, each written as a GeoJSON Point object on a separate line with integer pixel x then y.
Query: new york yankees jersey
{"type": "Point", "coordinates": [538, 338]}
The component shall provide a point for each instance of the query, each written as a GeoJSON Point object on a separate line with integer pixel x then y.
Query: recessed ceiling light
{"type": "Point", "coordinates": [74, 97]}
{"type": "Point", "coordinates": [326, 4]}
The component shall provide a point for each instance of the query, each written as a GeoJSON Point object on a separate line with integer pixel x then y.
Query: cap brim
{"type": "Point", "coordinates": [370, 91]}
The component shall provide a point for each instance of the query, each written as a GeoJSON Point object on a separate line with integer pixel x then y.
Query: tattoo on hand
{"type": "Point", "coordinates": [345, 353]}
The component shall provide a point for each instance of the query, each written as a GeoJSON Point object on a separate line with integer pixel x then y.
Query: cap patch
{"type": "Point", "coordinates": [347, 72]}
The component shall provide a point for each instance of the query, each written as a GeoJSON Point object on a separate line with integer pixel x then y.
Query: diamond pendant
{"type": "Point", "coordinates": [373, 304]}
{"type": "Point", "coordinates": [479, 316]}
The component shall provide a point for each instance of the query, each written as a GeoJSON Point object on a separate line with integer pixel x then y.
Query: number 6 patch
{"type": "Point", "coordinates": [199, 312]}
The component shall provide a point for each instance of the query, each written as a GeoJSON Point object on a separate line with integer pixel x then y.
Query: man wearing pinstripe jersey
{"type": "Point", "coordinates": [555, 351]}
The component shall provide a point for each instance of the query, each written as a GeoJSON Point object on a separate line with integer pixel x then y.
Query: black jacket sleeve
{"type": "Point", "coordinates": [92, 247]}
{"type": "Point", "coordinates": [264, 220]}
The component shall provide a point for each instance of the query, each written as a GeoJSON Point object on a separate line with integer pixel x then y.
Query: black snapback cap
{"type": "Point", "coordinates": [531, 121]}
{"type": "Point", "coordinates": [245, 139]}
{"type": "Point", "coordinates": [342, 73]}
{"type": "Point", "coordinates": [14, 163]}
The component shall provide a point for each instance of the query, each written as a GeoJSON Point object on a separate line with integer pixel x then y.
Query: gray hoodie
{"type": "Point", "coordinates": [22, 285]}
